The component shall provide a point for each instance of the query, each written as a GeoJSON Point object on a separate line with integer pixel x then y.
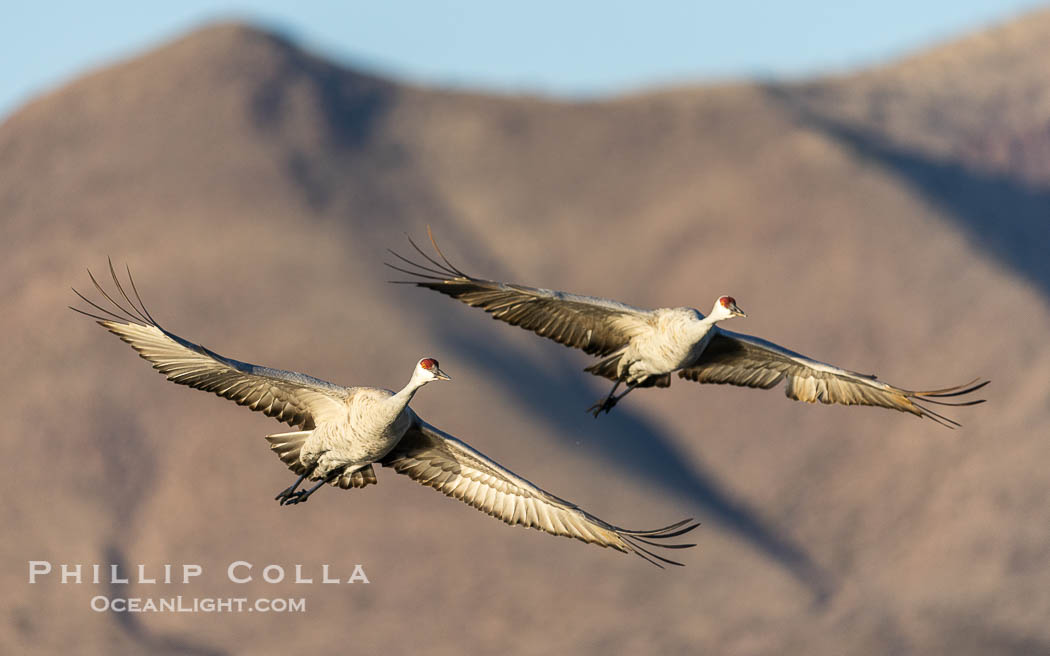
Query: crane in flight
{"type": "Point", "coordinates": [344, 431]}
{"type": "Point", "coordinates": [642, 348]}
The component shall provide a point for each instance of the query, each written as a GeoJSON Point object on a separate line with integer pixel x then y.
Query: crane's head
{"type": "Point", "coordinates": [427, 369]}
{"type": "Point", "coordinates": [725, 308]}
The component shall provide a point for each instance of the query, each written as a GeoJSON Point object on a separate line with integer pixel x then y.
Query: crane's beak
{"type": "Point", "coordinates": [441, 375]}
{"type": "Point", "coordinates": [737, 312]}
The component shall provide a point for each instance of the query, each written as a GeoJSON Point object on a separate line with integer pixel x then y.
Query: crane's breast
{"type": "Point", "coordinates": [375, 426]}
{"type": "Point", "coordinates": [671, 342]}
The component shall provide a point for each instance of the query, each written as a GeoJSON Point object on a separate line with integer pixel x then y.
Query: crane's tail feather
{"type": "Point", "coordinates": [607, 367]}
{"type": "Point", "coordinates": [287, 446]}
{"type": "Point", "coordinates": [358, 478]}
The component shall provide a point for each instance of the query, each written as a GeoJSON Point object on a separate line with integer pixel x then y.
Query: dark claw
{"type": "Point", "coordinates": [302, 496]}
{"type": "Point", "coordinates": [283, 496]}
{"type": "Point", "coordinates": [605, 404]}
{"type": "Point", "coordinates": [295, 497]}
{"type": "Point", "coordinates": [289, 497]}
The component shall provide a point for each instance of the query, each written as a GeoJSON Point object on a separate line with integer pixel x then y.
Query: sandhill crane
{"type": "Point", "coordinates": [346, 430]}
{"type": "Point", "coordinates": [642, 348]}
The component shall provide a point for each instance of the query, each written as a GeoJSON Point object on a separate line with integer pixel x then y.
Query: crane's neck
{"type": "Point", "coordinates": [399, 401]}
{"type": "Point", "coordinates": [703, 326]}
{"type": "Point", "coordinates": [702, 330]}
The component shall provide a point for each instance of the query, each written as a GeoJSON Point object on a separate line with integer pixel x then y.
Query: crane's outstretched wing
{"type": "Point", "coordinates": [738, 359]}
{"type": "Point", "coordinates": [596, 325]}
{"type": "Point", "coordinates": [436, 459]}
{"type": "Point", "coordinates": [287, 396]}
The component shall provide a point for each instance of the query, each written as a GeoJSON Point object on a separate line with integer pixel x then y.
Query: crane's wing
{"type": "Point", "coordinates": [596, 325]}
{"type": "Point", "coordinates": [287, 396]}
{"type": "Point", "coordinates": [738, 359]}
{"type": "Point", "coordinates": [436, 459]}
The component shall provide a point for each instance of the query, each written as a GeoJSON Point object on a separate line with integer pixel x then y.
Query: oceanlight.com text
{"type": "Point", "coordinates": [181, 604]}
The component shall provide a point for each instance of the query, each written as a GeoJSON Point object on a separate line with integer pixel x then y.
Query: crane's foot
{"type": "Point", "coordinates": [302, 496]}
{"type": "Point", "coordinates": [605, 404]}
{"type": "Point", "coordinates": [610, 401]}
{"type": "Point", "coordinates": [289, 491]}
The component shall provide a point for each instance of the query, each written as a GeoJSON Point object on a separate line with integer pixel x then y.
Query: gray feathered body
{"type": "Point", "coordinates": [373, 423]}
{"type": "Point", "coordinates": [672, 338]}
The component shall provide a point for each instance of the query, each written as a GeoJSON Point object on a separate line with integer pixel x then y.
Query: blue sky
{"type": "Point", "coordinates": [565, 48]}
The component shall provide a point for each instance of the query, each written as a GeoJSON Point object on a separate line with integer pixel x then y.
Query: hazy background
{"type": "Point", "coordinates": [891, 218]}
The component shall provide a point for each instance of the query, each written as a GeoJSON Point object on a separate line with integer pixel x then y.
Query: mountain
{"type": "Point", "coordinates": [891, 220]}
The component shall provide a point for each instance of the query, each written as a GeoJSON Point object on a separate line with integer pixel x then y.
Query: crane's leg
{"type": "Point", "coordinates": [600, 405]}
{"type": "Point", "coordinates": [302, 496]}
{"type": "Point", "coordinates": [287, 492]}
{"type": "Point", "coordinates": [616, 400]}
{"type": "Point", "coordinates": [611, 400]}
